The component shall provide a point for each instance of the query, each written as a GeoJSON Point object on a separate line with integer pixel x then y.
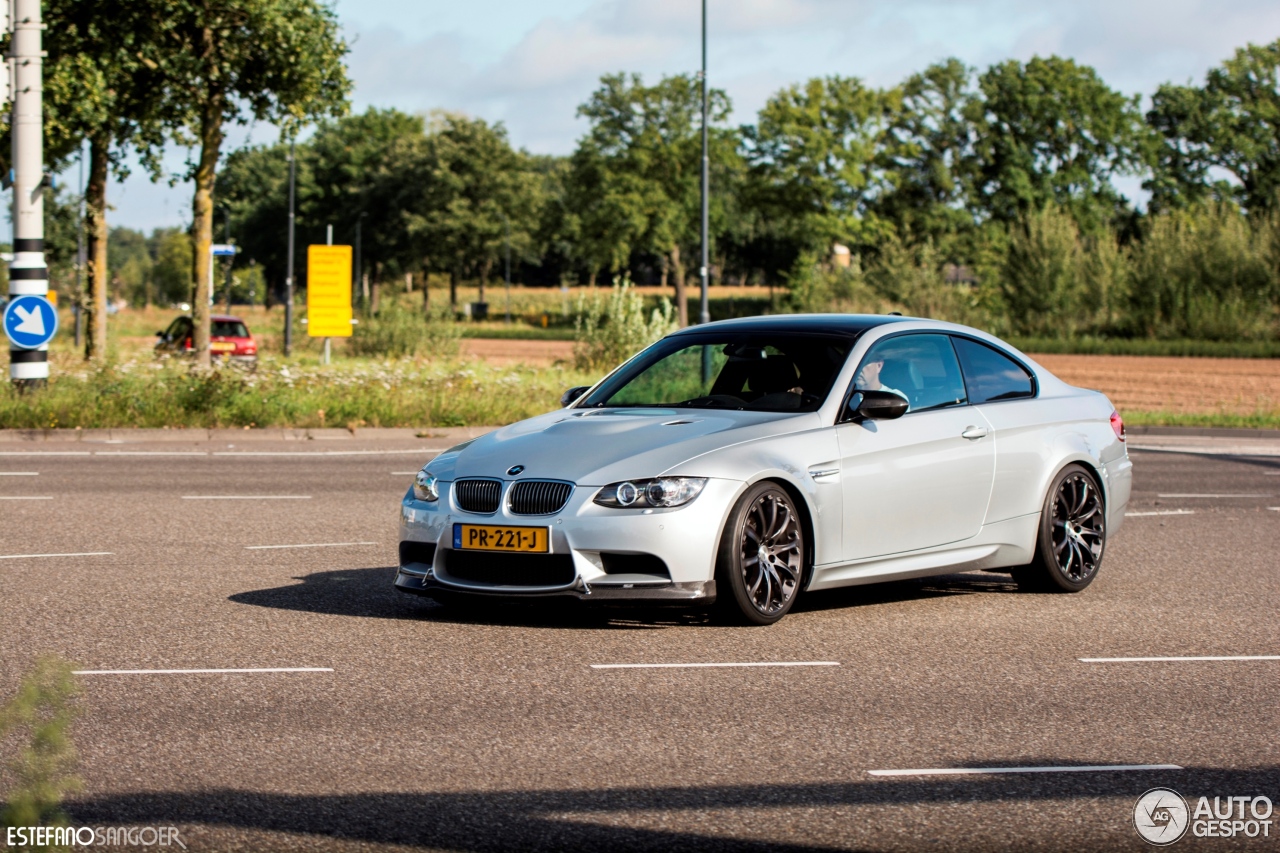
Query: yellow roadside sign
{"type": "Point", "coordinates": [329, 291]}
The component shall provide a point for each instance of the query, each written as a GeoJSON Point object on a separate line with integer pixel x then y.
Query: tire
{"type": "Point", "coordinates": [1072, 538]}
{"type": "Point", "coordinates": [760, 565]}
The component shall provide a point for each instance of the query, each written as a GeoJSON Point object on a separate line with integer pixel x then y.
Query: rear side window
{"type": "Point", "coordinates": [991, 376]}
{"type": "Point", "coordinates": [228, 329]}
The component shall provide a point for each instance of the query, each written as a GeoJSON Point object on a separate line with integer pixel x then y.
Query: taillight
{"type": "Point", "coordinates": [1117, 425]}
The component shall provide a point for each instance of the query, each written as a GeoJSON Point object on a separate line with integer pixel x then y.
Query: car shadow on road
{"type": "Point", "coordinates": [342, 592]}
{"type": "Point", "coordinates": [584, 819]}
{"type": "Point", "coordinates": [892, 592]}
{"type": "Point", "coordinates": [370, 592]}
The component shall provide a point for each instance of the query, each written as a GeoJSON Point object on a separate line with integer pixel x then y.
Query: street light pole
{"type": "Point", "coordinates": [506, 229]}
{"type": "Point", "coordinates": [705, 315]}
{"type": "Point", "coordinates": [226, 227]}
{"type": "Point", "coordinates": [288, 276]}
{"type": "Point", "coordinates": [355, 278]}
{"type": "Point", "coordinates": [81, 258]}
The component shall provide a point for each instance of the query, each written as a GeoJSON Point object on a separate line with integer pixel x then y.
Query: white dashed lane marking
{"type": "Point", "coordinates": [1180, 659]}
{"type": "Point", "coordinates": [983, 771]}
{"type": "Point", "coordinates": [314, 545]}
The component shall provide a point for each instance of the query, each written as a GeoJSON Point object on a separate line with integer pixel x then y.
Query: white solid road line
{"type": "Point", "coordinates": [198, 671]}
{"type": "Point", "coordinates": [23, 498]}
{"type": "Point", "coordinates": [316, 545]}
{"type": "Point", "coordinates": [44, 453]}
{"type": "Point", "coordinates": [709, 665]}
{"type": "Point", "coordinates": [246, 497]}
{"type": "Point", "coordinates": [1179, 659]}
{"type": "Point", "coordinates": [1215, 496]}
{"type": "Point", "coordinates": [315, 453]}
{"type": "Point", "coordinates": [19, 473]}
{"type": "Point", "coordinates": [151, 453]}
{"type": "Point", "coordinates": [983, 771]}
{"type": "Point", "coordinates": [1160, 512]}
{"type": "Point", "coordinates": [34, 556]}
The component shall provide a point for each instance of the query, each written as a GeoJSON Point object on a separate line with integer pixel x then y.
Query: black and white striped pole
{"type": "Point", "coordinates": [28, 275]}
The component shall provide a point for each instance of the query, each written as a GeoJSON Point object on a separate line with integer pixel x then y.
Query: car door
{"type": "Point", "coordinates": [923, 479]}
{"type": "Point", "coordinates": [1004, 391]}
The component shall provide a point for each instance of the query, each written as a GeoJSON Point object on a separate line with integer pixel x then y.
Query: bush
{"type": "Point", "coordinates": [43, 771]}
{"type": "Point", "coordinates": [607, 334]}
{"type": "Point", "coordinates": [397, 331]}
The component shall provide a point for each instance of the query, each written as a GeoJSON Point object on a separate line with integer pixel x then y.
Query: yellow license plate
{"type": "Point", "coordinates": [217, 346]}
{"type": "Point", "coordinates": [489, 537]}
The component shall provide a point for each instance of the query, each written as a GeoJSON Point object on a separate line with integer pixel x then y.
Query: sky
{"type": "Point", "coordinates": [529, 64]}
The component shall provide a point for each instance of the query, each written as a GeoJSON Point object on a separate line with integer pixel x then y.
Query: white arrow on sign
{"type": "Point", "coordinates": [32, 321]}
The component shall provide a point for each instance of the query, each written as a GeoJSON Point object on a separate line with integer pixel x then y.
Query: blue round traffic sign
{"type": "Point", "coordinates": [30, 321]}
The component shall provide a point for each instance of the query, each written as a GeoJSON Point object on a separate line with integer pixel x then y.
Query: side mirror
{"type": "Point", "coordinates": [875, 406]}
{"type": "Point", "coordinates": [568, 397]}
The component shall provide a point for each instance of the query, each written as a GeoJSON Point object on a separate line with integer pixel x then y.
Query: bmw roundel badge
{"type": "Point", "coordinates": [515, 469]}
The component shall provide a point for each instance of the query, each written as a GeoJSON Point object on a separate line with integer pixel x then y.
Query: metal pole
{"type": "Point", "coordinates": [355, 273]}
{"type": "Point", "coordinates": [328, 241]}
{"type": "Point", "coordinates": [28, 274]}
{"type": "Point", "coordinates": [705, 315]}
{"type": "Point", "coordinates": [81, 259]}
{"type": "Point", "coordinates": [226, 228]}
{"type": "Point", "coordinates": [288, 276]}
{"type": "Point", "coordinates": [506, 227]}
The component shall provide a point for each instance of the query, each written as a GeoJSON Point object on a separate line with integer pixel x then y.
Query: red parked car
{"type": "Point", "coordinates": [229, 338]}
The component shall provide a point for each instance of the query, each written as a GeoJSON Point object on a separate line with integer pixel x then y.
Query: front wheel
{"type": "Point", "coordinates": [761, 560]}
{"type": "Point", "coordinates": [1073, 535]}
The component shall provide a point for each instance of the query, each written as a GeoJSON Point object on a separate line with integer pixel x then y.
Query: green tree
{"type": "Point", "coordinates": [1052, 131]}
{"type": "Point", "coordinates": [930, 145]}
{"type": "Point", "coordinates": [262, 60]}
{"type": "Point", "coordinates": [103, 85]}
{"type": "Point", "coordinates": [819, 161]}
{"type": "Point", "coordinates": [1232, 123]}
{"type": "Point", "coordinates": [636, 175]}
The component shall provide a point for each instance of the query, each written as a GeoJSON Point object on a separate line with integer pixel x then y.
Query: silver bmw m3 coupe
{"type": "Point", "coordinates": [745, 462]}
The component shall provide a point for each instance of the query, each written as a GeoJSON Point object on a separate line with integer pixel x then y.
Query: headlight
{"type": "Point", "coordinates": [424, 487]}
{"type": "Point", "coordinates": [661, 492]}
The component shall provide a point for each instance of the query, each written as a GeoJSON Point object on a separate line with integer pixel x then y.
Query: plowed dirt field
{"type": "Point", "coordinates": [1240, 386]}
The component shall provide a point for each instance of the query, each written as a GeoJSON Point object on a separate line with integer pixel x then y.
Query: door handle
{"type": "Point", "coordinates": [974, 432]}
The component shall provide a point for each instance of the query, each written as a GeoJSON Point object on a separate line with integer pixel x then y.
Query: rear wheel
{"type": "Point", "coordinates": [761, 560]}
{"type": "Point", "coordinates": [1073, 535]}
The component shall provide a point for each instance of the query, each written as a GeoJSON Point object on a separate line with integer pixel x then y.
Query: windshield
{"type": "Point", "coordinates": [752, 371]}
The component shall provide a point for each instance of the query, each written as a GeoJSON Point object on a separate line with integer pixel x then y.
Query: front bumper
{"type": "Point", "coordinates": [410, 580]}
{"type": "Point", "coordinates": [585, 536]}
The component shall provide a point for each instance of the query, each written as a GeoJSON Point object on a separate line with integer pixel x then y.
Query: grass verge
{"type": "Point", "coordinates": [349, 393]}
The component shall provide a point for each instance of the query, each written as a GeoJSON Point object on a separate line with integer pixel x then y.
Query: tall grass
{"type": "Point", "coordinates": [609, 331]}
{"type": "Point", "coordinates": [43, 771]}
{"type": "Point", "coordinates": [348, 393]}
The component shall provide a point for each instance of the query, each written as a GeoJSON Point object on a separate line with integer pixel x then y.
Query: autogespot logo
{"type": "Point", "coordinates": [1161, 816]}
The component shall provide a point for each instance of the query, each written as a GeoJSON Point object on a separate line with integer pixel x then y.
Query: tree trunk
{"type": "Point", "coordinates": [426, 294]}
{"type": "Point", "coordinates": [682, 307]}
{"type": "Point", "coordinates": [454, 275]}
{"type": "Point", "coordinates": [96, 213]}
{"type": "Point", "coordinates": [202, 222]}
{"type": "Point", "coordinates": [374, 288]}
{"type": "Point", "coordinates": [591, 279]}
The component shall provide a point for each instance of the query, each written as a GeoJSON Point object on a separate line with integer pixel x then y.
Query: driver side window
{"type": "Point", "coordinates": [921, 368]}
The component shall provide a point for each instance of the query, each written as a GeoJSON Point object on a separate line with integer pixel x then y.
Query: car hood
{"type": "Point", "coordinates": [594, 447]}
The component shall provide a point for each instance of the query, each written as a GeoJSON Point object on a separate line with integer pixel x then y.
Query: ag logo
{"type": "Point", "coordinates": [1161, 816]}
{"type": "Point", "coordinates": [515, 469]}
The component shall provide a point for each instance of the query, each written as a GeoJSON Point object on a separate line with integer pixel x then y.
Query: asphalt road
{"type": "Point", "coordinates": [440, 730]}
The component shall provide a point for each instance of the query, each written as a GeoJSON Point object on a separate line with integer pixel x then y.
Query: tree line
{"type": "Point", "coordinates": [991, 196]}
{"type": "Point", "coordinates": [988, 196]}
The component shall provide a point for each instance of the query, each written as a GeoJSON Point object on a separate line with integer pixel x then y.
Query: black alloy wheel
{"type": "Point", "coordinates": [760, 566]}
{"type": "Point", "coordinates": [1073, 535]}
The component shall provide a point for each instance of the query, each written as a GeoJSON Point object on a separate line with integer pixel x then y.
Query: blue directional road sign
{"type": "Point", "coordinates": [30, 321]}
